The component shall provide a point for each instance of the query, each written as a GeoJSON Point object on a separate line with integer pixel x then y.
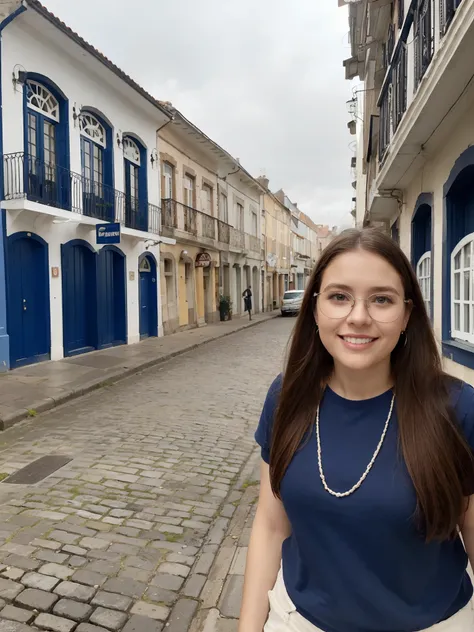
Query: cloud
{"type": "Point", "coordinates": [263, 79]}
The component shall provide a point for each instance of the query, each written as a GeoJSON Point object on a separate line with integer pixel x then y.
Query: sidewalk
{"type": "Point", "coordinates": [221, 596]}
{"type": "Point", "coordinates": [36, 388]}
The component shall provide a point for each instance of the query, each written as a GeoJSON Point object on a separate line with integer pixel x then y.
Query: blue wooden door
{"type": "Point", "coordinates": [144, 305]}
{"type": "Point", "coordinates": [28, 300]}
{"type": "Point", "coordinates": [148, 298]}
{"type": "Point", "coordinates": [111, 298]}
{"type": "Point", "coordinates": [79, 299]}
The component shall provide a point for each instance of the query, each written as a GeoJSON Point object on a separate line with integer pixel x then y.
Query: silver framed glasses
{"type": "Point", "coordinates": [383, 307]}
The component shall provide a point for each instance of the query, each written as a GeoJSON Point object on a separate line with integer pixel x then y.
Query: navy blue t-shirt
{"type": "Point", "coordinates": [358, 564]}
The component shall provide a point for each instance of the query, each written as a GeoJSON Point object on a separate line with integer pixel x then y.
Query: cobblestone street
{"type": "Point", "coordinates": [147, 525]}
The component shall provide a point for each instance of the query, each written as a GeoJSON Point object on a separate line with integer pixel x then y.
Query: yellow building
{"type": "Point", "coordinates": [199, 182]}
{"type": "Point", "coordinates": [277, 240]}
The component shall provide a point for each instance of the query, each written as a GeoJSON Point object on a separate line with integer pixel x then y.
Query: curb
{"type": "Point", "coordinates": [208, 614]}
{"type": "Point", "coordinates": [49, 403]}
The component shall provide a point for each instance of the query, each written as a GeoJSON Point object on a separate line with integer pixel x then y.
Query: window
{"type": "Point", "coordinates": [169, 282]}
{"type": "Point", "coordinates": [423, 273]}
{"type": "Point", "coordinates": [424, 38]}
{"type": "Point", "coordinates": [223, 208]}
{"type": "Point", "coordinates": [95, 152]}
{"type": "Point", "coordinates": [457, 287]}
{"type": "Point", "coordinates": [462, 290]}
{"type": "Point", "coordinates": [168, 181]}
{"type": "Point", "coordinates": [447, 10]}
{"type": "Point", "coordinates": [239, 219]}
{"type": "Point", "coordinates": [43, 118]}
{"type": "Point", "coordinates": [421, 246]}
{"type": "Point", "coordinates": [41, 100]}
{"type": "Point", "coordinates": [136, 209]}
{"type": "Point", "coordinates": [385, 132]}
{"type": "Point", "coordinates": [207, 199]}
{"type": "Point", "coordinates": [254, 224]}
{"type": "Point", "coordinates": [399, 87]}
{"type": "Point", "coordinates": [395, 231]}
{"type": "Point", "coordinates": [401, 13]}
{"type": "Point", "coordinates": [189, 188]}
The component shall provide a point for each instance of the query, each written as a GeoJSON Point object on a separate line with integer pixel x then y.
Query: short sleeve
{"type": "Point", "coordinates": [263, 433]}
{"type": "Point", "coordinates": [464, 409]}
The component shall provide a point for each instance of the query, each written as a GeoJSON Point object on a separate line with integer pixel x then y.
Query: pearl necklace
{"type": "Point", "coordinates": [369, 467]}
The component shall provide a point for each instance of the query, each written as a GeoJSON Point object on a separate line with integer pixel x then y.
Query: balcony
{"type": "Point", "coordinates": [441, 71]}
{"type": "Point", "coordinates": [192, 226]}
{"type": "Point", "coordinates": [27, 178]}
{"type": "Point", "coordinates": [237, 239]}
{"type": "Point", "coordinates": [424, 39]}
{"type": "Point", "coordinates": [393, 103]}
{"type": "Point", "coordinates": [223, 232]}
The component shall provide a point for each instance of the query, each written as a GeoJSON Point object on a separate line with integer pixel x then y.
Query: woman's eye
{"type": "Point", "coordinates": [339, 297]}
{"type": "Point", "coordinates": [382, 300]}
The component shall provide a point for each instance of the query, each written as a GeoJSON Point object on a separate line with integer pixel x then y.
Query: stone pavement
{"type": "Point", "coordinates": [146, 527]}
{"type": "Point", "coordinates": [36, 388]}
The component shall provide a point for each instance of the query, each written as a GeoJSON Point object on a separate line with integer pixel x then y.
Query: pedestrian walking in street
{"type": "Point", "coordinates": [247, 296]}
{"type": "Point", "coordinates": [367, 462]}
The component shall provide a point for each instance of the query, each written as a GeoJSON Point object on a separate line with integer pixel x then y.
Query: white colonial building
{"type": "Point", "coordinates": [78, 143]}
{"type": "Point", "coordinates": [415, 158]}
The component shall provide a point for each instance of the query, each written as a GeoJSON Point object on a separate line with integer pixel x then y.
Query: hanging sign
{"type": "Point", "coordinates": [203, 260]}
{"type": "Point", "coordinates": [108, 233]}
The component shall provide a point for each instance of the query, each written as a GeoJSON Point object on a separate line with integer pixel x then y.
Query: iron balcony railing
{"type": "Point", "coordinates": [399, 87]}
{"type": "Point", "coordinates": [447, 9]}
{"type": "Point", "coordinates": [424, 39]}
{"type": "Point", "coordinates": [204, 228]}
{"type": "Point", "coordinates": [178, 216]}
{"type": "Point", "coordinates": [223, 232]}
{"type": "Point", "coordinates": [385, 123]}
{"type": "Point", "coordinates": [26, 177]}
{"type": "Point", "coordinates": [237, 239]}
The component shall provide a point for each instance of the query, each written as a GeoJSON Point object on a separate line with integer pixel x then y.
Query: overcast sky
{"type": "Point", "coordinates": [263, 78]}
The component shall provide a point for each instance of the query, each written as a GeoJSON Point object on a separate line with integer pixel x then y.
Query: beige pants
{"type": "Point", "coordinates": [284, 618]}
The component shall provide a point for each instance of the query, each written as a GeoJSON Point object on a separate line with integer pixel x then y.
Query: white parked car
{"type": "Point", "coordinates": [292, 301]}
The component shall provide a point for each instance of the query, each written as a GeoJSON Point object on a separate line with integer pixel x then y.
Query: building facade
{"type": "Point", "coordinates": [277, 243]}
{"type": "Point", "coordinates": [78, 144]}
{"type": "Point", "coordinates": [416, 156]}
{"type": "Point", "coordinates": [211, 207]}
{"type": "Point", "coordinates": [305, 244]}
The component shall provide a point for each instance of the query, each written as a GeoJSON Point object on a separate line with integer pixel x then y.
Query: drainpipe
{"type": "Point", "coordinates": [4, 339]}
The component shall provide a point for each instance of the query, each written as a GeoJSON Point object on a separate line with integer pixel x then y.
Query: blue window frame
{"type": "Point", "coordinates": [46, 164]}
{"type": "Point", "coordinates": [136, 194]}
{"type": "Point", "coordinates": [421, 247]}
{"type": "Point", "coordinates": [98, 195]}
{"type": "Point", "coordinates": [458, 265]}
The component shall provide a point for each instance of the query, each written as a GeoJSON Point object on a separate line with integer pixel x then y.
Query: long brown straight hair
{"type": "Point", "coordinates": [438, 458]}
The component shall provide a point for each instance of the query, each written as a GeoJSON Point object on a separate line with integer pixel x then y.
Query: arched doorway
{"type": "Point", "coordinates": [111, 298]}
{"type": "Point", "coordinates": [148, 296]}
{"type": "Point", "coordinates": [79, 297]}
{"type": "Point", "coordinates": [28, 299]}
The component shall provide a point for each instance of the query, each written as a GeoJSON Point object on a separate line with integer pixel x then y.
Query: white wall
{"type": "Point", "coordinates": [31, 44]}
{"type": "Point", "coordinates": [431, 179]}
{"type": "Point", "coordinates": [57, 234]}
{"type": "Point", "coordinates": [24, 49]}
{"type": "Point", "coordinates": [232, 186]}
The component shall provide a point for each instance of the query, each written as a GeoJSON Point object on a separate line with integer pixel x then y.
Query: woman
{"type": "Point", "coordinates": [247, 296]}
{"type": "Point", "coordinates": [367, 462]}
